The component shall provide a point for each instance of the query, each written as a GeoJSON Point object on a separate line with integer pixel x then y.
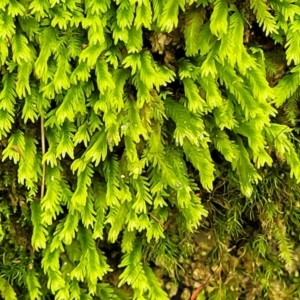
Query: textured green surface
{"type": "Point", "coordinates": [143, 108]}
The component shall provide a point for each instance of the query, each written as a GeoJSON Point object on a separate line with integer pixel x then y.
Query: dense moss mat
{"type": "Point", "coordinates": [144, 142]}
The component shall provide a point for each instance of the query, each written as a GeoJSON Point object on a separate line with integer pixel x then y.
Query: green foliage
{"type": "Point", "coordinates": [7, 290]}
{"type": "Point", "coordinates": [104, 141]}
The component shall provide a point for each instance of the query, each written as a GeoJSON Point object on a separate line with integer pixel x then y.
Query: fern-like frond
{"type": "Point", "coordinates": [39, 231]}
{"type": "Point", "coordinates": [293, 42]}
{"type": "Point", "coordinates": [286, 87]}
{"type": "Point", "coordinates": [263, 15]}
{"type": "Point", "coordinates": [6, 290]}
{"type": "Point", "coordinates": [169, 17]}
{"type": "Point", "coordinates": [194, 20]}
{"type": "Point", "coordinates": [201, 159]}
{"type": "Point", "coordinates": [33, 285]}
{"type": "Point", "coordinates": [219, 18]}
